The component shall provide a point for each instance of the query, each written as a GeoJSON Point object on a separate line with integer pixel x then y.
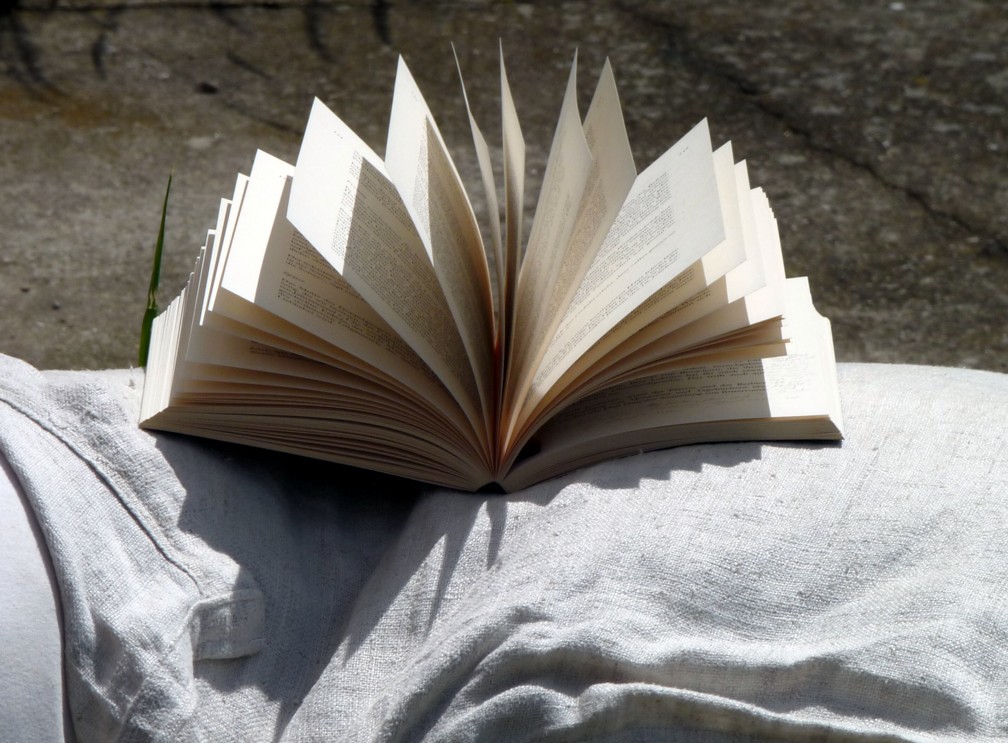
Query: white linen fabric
{"type": "Point", "coordinates": [749, 591]}
{"type": "Point", "coordinates": [31, 700]}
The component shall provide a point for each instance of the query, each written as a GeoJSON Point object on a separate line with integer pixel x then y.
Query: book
{"type": "Point", "coordinates": [353, 308]}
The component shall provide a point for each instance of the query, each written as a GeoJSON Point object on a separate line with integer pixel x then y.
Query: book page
{"type": "Point", "coordinates": [699, 290]}
{"type": "Point", "coordinates": [489, 190]}
{"type": "Point", "coordinates": [271, 266]}
{"type": "Point", "coordinates": [609, 179]}
{"type": "Point", "coordinates": [514, 195]}
{"type": "Point", "coordinates": [161, 359]}
{"type": "Point", "coordinates": [725, 334]}
{"type": "Point", "coordinates": [235, 348]}
{"type": "Point", "coordinates": [740, 340]}
{"type": "Point", "coordinates": [212, 252]}
{"type": "Point", "coordinates": [768, 299]}
{"type": "Point", "coordinates": [195, 291]}
{"type": "Point", "coordinates": [743, 278]}
{"type": "Point", "coordinates": [671, 218]}
{"type": "Point", "coordinates": [346, 207]}
{"type": "Point", "coordinates": [419, 165]}
{"type": "Point", "coordinates": [564, 182]}
{"type": "Point", "coordinates": [223, 245]}
{"type": "Point", "coordinates": [783, 397]}
{"type": "Point", "coordinates": [243, 374]}
{"type": "Point", "coordinates": [750, 275]}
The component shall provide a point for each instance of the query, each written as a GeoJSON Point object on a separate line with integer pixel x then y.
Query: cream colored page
{"type": "Point", "coordinates": [347, 209]}
{"type": "Point", "coordinates": [610, 178]}
{"type": "Point", "coordinates": [227, 217]}
{"type": "Point", "coordinates": [731, 252]}
{"type": "Point", "coordinates": [671, 218]}
{"type": "Point", "coordinates": [700, 289]}
{"type": "Point", "coordinates": [719, 392]}
{"type": "Point", "coordinates": [514, 189]}
{"type": "Point", "coordinates": [749, 275]}
{"type": "Point", "coordinates": [221, 360]}
{"type": "Point", "coordinates": [419, 165]}
{"type": "Point", "coordinates": [232, 345]}
{"type": "Point", "coordinates": [225, 236]}
{"type": "Point", "coordinates": [225, 343]}
{"type": "Point", "coordinates": [692, 293]}
{"type": "Point", "coordinates": [736, 341]}
{"type": "Point", "coordinates": [159, 367]}
{"type": "Point", "coordinates": [161, 359]}
{"type": "Point", "coordinates": [564, 182]}
{"type": "Point", "coordinates": [195, 291]}
{"type": "Point", "coordinates": [272, 266]}
{"type": "Point", "coordinates": [803, 382]}
{"type": "Point", "coordinates": [209, 256]}
{"type": "Point", "coordinates": [489, 186]}
{"type": "Point", "coordinates": [767, 300]}
{"type": "Point", "coordinates": [783, 386]}
{"type": "Point", "coordinates": [550, 385]}
{"type": "Point", "coordinates": [732, 273]}
{"type": "Point", "coordinates": [755, 290]}
{"type": "Point", "coordinates": [726, 332]}
{"type": "Point", "coordinates": [689, 295]}
{"type": "Point", "coordinates": [214, 347]}
{"type": "Point", "coordinates": [267, 179]}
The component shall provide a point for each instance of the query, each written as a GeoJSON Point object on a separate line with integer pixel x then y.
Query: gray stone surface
{"type": "Point", "coordinates": [878, 130]}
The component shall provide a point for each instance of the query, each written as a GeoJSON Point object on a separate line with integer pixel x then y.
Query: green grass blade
{"type": "Point", "coordinates": [152, 307]}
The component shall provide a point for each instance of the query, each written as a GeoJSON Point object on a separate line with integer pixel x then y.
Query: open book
{"type": "Point", "coordinates": [352, 308]}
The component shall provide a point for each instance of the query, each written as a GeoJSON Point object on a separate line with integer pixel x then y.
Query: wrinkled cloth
{"type": "Point", "coordinates": [749, 591]}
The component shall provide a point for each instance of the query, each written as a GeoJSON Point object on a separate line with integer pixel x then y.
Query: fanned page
{"type": "Point", "coordinates": [608, 180]}
{"type": "Point", "coordinates": [287, 341]}
{"type": "Point", "coordinates": [272, 267]}
{"type": "Point", "coordinates": [670, 219]}
{"type": "Point", "coordinates": [791, 396]}
{"type": "Point", "coordinates": [513, 146]}
{"type": "Point", "coordinates": [345, 205]}
{"type": "Point", "coordinates": [419, 165]}
{"type": "Point", "coordinates": [696, 307]}
{"type": "Point", "coordinates": [490, 192]}
{"type": "Point", "coordinates": [564, 182]}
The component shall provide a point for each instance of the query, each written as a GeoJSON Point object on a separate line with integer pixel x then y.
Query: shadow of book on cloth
{"type": "Point", "coordinates": [352, 309]}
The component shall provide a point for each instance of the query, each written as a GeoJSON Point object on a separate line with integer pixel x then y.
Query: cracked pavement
{"type": "Point", "coordinates": [877, 130]}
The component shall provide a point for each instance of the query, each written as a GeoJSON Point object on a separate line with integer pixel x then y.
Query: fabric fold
{"type": "Point", "coordinates": [141, 599]}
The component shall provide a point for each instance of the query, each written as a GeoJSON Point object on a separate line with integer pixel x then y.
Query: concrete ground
{"type": "Point", "coordinates": [879, 130]}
